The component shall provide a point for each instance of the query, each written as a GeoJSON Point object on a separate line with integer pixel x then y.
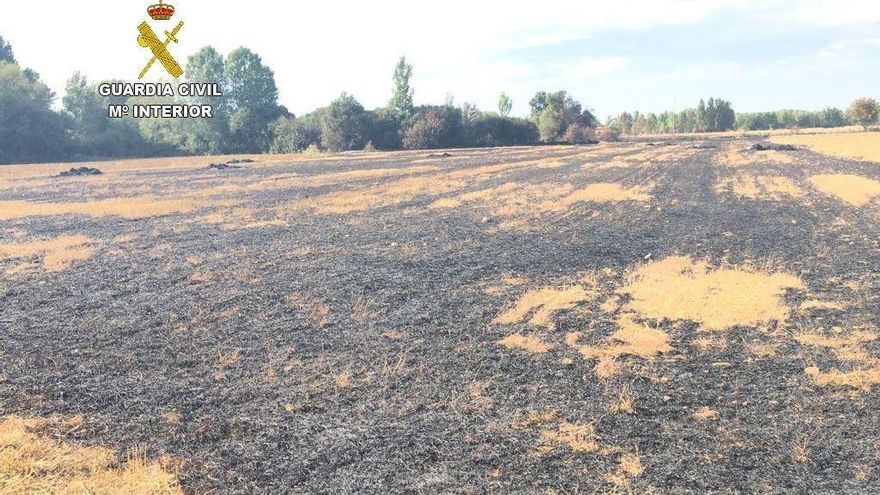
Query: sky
{"type": "Point", "coordinates": [648, 55]}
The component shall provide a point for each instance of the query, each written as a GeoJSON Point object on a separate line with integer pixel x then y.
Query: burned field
{"type": "Point", "coordinates": [611, 318]}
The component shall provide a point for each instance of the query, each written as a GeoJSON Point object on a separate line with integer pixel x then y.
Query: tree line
{"type": "Point", "coordinates": [717, 115]}
{"type": "Point", "coordinates": [249, 118]}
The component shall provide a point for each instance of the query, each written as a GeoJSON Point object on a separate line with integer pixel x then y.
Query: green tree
{"type": "Point", "coordinates": [343, 126]}
{"type": "Point", "coordinates": [505, 105]}
{"type": "Point", "coordinates": [94, 134]}
{"type": "Point", "coordinates": [383, 129]}
{"type": "Point", "coordinates": [293, 135]}
{"type": "Point", "coordinates": [864, 112]}
{"type": "Point", "coordinates": [30, 131]}
{"type": "Point", "coordinates": [401, 102]}
{"type": "Point", "coordinates": [207, 136]}
{"type": "Point", "coordinates": [623, 123]}
{"type": "Point", "coordinates": [206, 66]}
{"type": "Point", "coordinates": [6, 54]}
{"type": "Point", "coordinates": [702, 121]}
{"type": "Point", "coordinates": [491, 129]}
{"type": "Point", "coordinates": [434, 127]}
{"type": "Point", "coordinates": [653, 124]}
{"type": "Point", "coordinates": [639, 124]}
{"type": "Point", "coordinates": [553, 113]}
{"type": "Point", "coordinates": [832, 117]}
{"type": "Point", "coordinates": [252, 99]}
{"type": "Point", "coordinates": [725, 117]}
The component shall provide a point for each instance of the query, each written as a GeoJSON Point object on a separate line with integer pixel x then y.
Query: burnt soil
{"type": "Point", "coordinates": [395, 299]}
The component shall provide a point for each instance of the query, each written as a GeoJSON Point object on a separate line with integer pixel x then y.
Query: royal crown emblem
{"type": "Point", "coordinates": [161, 11]}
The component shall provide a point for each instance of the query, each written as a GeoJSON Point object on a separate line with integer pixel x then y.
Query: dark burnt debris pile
{"type": "Point", "coordinates": [80, 171]}
{"type": "Point", "coordinates": [771, 147]}
{"type": "Point", "coordinates": [631, 320]}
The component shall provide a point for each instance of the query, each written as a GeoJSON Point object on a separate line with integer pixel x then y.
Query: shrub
{"type": "Point", "coordinates": [579, 134]}
{"type": "Point", "coordinates": [434, 127]}
{"type": "Point", "coordinates": [344, 125]}
{"type": "Point", "coordinates": [292, 135]}
{"type": "Point", "coordinates": [312, 150]}
{"type": "Point", "coordinates": [495, 130]}
{"type": "Point", "coordinates": [607, 134]}
{"type": "Point", "coordinates": [383, 129]}
{"type": "Point", "coordinates": [555, 112]}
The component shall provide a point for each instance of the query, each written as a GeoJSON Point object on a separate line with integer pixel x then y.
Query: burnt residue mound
{"type": "Point", "coordinates": [771, 147]}
{"type": "Point", "coordinates": [221, 166]}
{"type": "Point", "coordinates": [230, 164]}
{"type": "Point", "coordinates": [80, 171]}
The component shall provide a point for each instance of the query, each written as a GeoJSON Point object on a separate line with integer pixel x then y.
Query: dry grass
{"type": "Point", "coordinates": [535, 418]}
{"type": "Point", "coordinates": [519, 203]}
{"type": "Point", "coordinates": [678, 288]}
{"type": "Point", "coordinates": [860, 145]}
{"type": "Point", "coordinates": [528, 343]}
{"type": "Point", "coordinates": [425, 185]}
{"type": "Point", "coordinates": [706, 413]}
{"type": "Point", "coordinates": [847, 347]}
{"type": "Point", "coordinates": [378, 196]}
{"type": "Point", "coordinates": [624, 402]}
{"type": "Point", "coordinates": [577, 437]}
{"type": "Point", "coordinates": [34, 462]}
{"type": "Point", "coordinates": [129, 208]}
{"type": "Point", "coordinates": [761, 350]}
{"type": "Point", "coordinates": [238, 218]}
{"type": "Point", "coordinates": [598, 193]}
{"type": "Point", "coordinates": [630, 339]}
{"type": "Point", "coordinates": [862, 379]}
{"type": "Point", "coordinates": [822, 305]}
{"type": "Point", "coordinates": [853, 189]}
{"type": "Point", "coordinates": [706, 344]}
{"type": "Point", "coordinates": [800, 450]}
{"type": "Point", "coordinates": [503, 285]}
{"type": "Point", "coordinates": [57, 254]}
{"type": "Point", "coordinates": [286, 181]}
{"type": "Point", "coordinates": [491, 193]}
{"type": "Point", "coordinates": [837, 341]}
{"type": "Point", "coordinates": [628, 466]}
{"type": "Point", "coordinates": [317, 312]}
{"type": "Point", "coordinates": [733, 157]}
{"type": "Point", "coordinates": [342, 380]}
{"type": "Point", "coordinates": [189, 162]}
{"type": "Point", "coordinates": [366, 310]}
{"type": "Point", "coordinates": [173, 417]}
{"type": "Point", "coordinates": [408, 189]}
{"type": "Point", "coordinates": [771, 187]}
{"type": "Point", "coordinates": [542, 304]}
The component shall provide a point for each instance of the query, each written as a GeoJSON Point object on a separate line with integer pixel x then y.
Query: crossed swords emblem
{"type": "Point", "coordinates": [148, 39]}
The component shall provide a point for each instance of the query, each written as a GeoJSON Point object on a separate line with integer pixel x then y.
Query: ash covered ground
{"type": "Point", "coordinates": [610, 318]}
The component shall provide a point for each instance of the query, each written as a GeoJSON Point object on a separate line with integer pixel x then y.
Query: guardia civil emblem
{"type": "Point", "coordinates": [148, 39]}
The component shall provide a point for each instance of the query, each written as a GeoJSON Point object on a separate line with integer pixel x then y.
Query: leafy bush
{"type": "Point", "coordinates": [293, 135]}
{"type": "Point", "coordinates": [495, 130]}
{"type": "Point", "coordinates": [383, 129]}
{"type": "Point", "coordinates": [579, 134]}
{"type": "Point", "coordinates": [434, 127]}
{"type": "Point", "coordinates": [29, 129]}
{"type": "Point", "coordinates": [607, 134]}
{"type": "Point", "coordinates": [344, 125]}
{"type": "Point", "coordinates": [554, 113]}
